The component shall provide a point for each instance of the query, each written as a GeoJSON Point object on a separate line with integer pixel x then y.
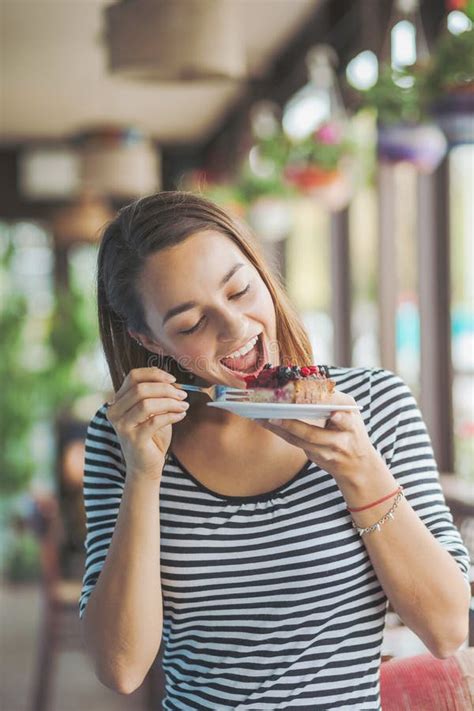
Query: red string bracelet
{"type": "Point", "coordinates": [379, 501]}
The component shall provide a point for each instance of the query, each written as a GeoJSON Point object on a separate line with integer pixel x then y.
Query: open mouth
{"type": "Point", "coordinates": [249, 364]}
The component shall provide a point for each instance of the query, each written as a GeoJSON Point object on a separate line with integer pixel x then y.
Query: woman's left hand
{"type": "Point", "coordinates": [342, 447]}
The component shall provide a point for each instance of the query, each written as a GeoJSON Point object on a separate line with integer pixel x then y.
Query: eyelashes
{"type": "Point", "coordinates": [241, 293]}
{"type": "Point", "coordinates": [235, 296]}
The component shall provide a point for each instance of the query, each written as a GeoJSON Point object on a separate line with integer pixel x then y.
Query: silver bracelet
{"type": "Point", "coordinates": [380, 522]}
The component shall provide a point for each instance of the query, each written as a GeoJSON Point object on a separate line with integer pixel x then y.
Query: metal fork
{"type": "Point", "coordinates": [221, 393]}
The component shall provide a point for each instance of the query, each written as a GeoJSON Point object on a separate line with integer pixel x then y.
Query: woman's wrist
{"type": "Point", "coordinates": [366, 487]}
{"type": "Point", "coordinates": [137, 479]}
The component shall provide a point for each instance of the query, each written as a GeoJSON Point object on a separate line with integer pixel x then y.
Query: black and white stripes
{"type": "Point", "coordinates": [271, 601]}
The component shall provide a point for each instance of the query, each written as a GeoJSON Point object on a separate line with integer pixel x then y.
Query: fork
{"type": "Point", "coordinates": [220, 393]}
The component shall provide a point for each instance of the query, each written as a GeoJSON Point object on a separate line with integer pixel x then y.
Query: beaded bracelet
{"type": "Point", "coordinates": [376, 526]}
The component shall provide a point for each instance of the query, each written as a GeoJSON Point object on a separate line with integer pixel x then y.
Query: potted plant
{"type": "Point", "coordinates": [450, 83]}
{"type": "Point", "coordinates": [404, 130]}
{"type": "Point", "coordinates": [262, 199]}
{"type": "Point", "coordinates": [318, 165]}
{"type": "Point", "coordinates": [268, 199]}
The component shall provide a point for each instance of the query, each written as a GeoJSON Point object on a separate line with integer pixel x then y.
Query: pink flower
{"type": "Point", "coordinates": [329, 133]}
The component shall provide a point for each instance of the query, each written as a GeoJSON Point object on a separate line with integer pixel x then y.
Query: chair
{"type": "Point", "coordinates": [426, 683]}
{"type": "Point", "coordinates": [59, 626]}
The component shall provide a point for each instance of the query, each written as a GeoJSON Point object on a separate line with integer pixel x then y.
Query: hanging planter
{"type": "Point", "coordinates": [333, 188]}
{"type": "Point", "coordinates": [271, 218]}
{"type": "Point", "coordinates": [321, 167]}
{"type": "Point", "coordinates": [318, 166]}
{"type": "Point", "coordinates": [450, 86]}
{"type": "Point", "coordinates": [423, 145]}
{"type": "Point", "coordinates": [454, 114]}
{"type": "Point", "coordinates": [405, 133]}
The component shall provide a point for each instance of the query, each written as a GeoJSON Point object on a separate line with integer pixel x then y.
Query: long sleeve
{"type": "Point", "coordinates": [104, 478]}
{"type": "Point", "coordinates": [400, 435]}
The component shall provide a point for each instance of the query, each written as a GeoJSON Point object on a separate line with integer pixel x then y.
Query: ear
{"type": "Point", "coordinates": [148, 343]}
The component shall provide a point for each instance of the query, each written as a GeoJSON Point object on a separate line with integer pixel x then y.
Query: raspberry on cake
{"type": "Point", "coordinates": [286, 384]}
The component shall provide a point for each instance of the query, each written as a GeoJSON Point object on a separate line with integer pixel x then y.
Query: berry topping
{"type": "Point", "coordinates": [276, 376]}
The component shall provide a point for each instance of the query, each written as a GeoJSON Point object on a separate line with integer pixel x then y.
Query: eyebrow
{"type": "Point", "coordinates": [187, 305]}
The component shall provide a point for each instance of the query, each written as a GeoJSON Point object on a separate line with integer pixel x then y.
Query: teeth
{"type": "Point", "coordinates": [244, 349]}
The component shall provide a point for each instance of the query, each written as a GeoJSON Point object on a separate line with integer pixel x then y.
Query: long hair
{"type": "Point", "coordinates": [146, 226]}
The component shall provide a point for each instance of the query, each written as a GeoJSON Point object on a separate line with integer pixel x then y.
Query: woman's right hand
{"type": "Point", "coordinates": [145, 407]}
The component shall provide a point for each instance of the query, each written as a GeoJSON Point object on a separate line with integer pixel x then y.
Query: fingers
{"type": "Point", "coordinates": [297, 441]}
{"type": "Point", "coordinates": [138, 398]}
{"type": "Point", "coordinates": [143, 391]}
{"type": "Point", "coordinates": [157, 421]}
{"type": "Point", "coordinates": [142, 375]}
{"type": "Point", "coordinates": [149, 408]}
{"type": "Point", "coordinates": [312, 434]}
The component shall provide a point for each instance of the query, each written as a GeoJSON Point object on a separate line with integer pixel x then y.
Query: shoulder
{"type": "Point", "coordinates": [384, 395]}
{"type": "Point", "coordinates": [379, 381]}
{"type": "Point", "coordinates": [101, 433]}
{"type": "Point", "coordinates": [354, 381]}
{"type": "Point", "coordinates": [389, 393]}
{"type": "Point", "coordinates": [100, 423]}
{"type": "Point", "coordinates": [348, 376]}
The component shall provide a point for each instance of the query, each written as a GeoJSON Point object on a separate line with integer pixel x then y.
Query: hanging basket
{"type": "Point", "coordinates": [271, 218]}
{"type": "Point", "coordinates": [333, 188]}
{"type": "Point", "coordinates": [454, 114]}
{"type": "Point", "coordinates": [423, 145]}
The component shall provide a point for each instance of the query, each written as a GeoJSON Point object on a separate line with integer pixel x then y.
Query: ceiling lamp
{"type": "Point", "coordinates": [175, 40]}
{"type": "Point", "coordinates": [119, 162]}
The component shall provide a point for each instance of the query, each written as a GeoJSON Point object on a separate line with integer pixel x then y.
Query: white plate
{"type": "Point", "coordinates": [281, 410]}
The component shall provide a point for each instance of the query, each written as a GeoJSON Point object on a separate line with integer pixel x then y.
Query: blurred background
{"type": "Point", "coordinates": [343, 132]}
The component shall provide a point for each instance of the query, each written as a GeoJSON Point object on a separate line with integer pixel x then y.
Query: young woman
{"type": "Point", "coordinates": [230, 540]}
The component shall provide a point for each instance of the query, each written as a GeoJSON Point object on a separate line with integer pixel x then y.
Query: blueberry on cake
{"type": "Point", "coordinates": [308, 384]}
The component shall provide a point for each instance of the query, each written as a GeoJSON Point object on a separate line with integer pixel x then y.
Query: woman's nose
{"type": "Point", "coordinates": [232, 329]}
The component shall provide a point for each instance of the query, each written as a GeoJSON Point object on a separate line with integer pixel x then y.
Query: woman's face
{"type": "Point", "coordinates": [203, 301]}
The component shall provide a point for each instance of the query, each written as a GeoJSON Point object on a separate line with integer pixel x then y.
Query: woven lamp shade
{"type": "Point", "coordinates": [175, 40]}
{"type": "Point", "coordinates": [119, 163]}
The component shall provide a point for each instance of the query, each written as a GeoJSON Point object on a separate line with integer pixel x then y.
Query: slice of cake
{"type": "Point", "coordinates": [304, 385]}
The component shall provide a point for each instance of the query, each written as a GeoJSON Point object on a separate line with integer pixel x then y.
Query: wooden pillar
{"type": "Point", "coordinates": [435, 313]}
{"type": "Point", "coordinates": [387, 271]}
{"type": "Point", "coordinates": [341, 288]}
{"type": "Point", "coordinates": [61, 267]}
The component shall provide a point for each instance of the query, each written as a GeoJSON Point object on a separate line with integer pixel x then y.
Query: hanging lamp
{"type": "Point", "coordinates": [119, 162]}
{"type": "Point", "coordinates": [175, 40]}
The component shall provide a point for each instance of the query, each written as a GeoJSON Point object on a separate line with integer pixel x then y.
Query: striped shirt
{"type": "Point", "coordinates": [271, 601]}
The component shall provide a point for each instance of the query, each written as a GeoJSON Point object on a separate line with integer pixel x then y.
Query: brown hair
{"type": "Point", "coordinates": [147, 226]}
